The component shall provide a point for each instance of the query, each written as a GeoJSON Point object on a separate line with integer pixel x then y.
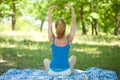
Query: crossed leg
{"type": "Point", "coordinates": [72, 61]}
{"type": "Point", "coordinates": [46, 63]}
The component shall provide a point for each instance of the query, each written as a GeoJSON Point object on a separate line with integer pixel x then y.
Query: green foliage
{"type": "Point", "coordinates": [60, 3]}
{"type": "Point", "coordinates": [94, 15]}
{"type": "Point", "coordinates": [38, 10]}
{"type": "Point", "coordinates": [115, 5]}
{"type": "Point", "coordinates": [107, 10]}
{"type": "Point", "coordinates": [5, 9]}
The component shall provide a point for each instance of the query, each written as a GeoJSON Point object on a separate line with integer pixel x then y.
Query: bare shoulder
{"type": "Point", "coordinates": [70, 37]}
{"type": "Point", "coordinates": [51, 38]}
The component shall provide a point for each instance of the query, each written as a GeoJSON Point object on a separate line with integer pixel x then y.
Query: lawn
{"type": "Point", "coordinates": [28, 49]}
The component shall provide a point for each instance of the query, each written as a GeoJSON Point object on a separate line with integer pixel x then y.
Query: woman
{"type": "Point", "coordinates": [60, 65]}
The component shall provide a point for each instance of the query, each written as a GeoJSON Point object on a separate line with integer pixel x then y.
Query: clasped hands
{"type": "Point", "coordinates": [55, 6]}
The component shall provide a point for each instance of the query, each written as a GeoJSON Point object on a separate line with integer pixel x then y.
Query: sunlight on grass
{"type": "Point", "coordinates": [95, 52]}
{"type": "Point", "coordinates": [1, 60]}
{"type": "Point", "coordinates": [109, 40]}
{"type": "Point", "coordinates": [10, 63]}
{"type": "Point", "coordinates": [3, 45]}
{"type": "Point", "coordinates": [7, 63]}
{"type": "Point", "coordinates": [96, 56]}
{"type": "Point", "coordinates": [88, 50]}
{"type": "Point", "coordinates": [92, 42]}
{"type": "Point", "coordinates": [34, 36]}
{"type": "Point", "coordinates": [20, 55]}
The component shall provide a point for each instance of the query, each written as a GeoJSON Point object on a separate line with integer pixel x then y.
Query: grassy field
{"type": "Point", "coordinates": [28, 49]}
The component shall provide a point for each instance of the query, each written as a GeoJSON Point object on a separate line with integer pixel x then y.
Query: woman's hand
{"type": "Point", "coordinates": [53, 7]}
{"type": "Point", "coordinates": [68, 5]}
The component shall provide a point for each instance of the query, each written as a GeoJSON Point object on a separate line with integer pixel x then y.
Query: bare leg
{"type": "Point", "coordinates": [46, 63]}
{"type": "Point", "coordinates": [72, 61]}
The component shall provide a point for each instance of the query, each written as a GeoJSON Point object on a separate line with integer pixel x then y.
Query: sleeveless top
{"type": "Point", "coordinates": [59, 60]}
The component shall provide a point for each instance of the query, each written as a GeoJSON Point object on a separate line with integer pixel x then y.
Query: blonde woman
{"type": "Point", "coordinates": [60, 44]}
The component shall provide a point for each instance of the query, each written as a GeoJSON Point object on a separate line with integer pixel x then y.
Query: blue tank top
{"type": "Point", "coordinates": [59, 60]}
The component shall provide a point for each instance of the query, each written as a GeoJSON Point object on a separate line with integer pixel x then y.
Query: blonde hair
{"type": "Point", "coordinates": [60, 26]}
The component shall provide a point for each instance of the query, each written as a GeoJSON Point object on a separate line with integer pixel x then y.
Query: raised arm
{"type": "Point", "coordinates": [73, 24]}
{"type": "Point", "coordinates": [50, 32]}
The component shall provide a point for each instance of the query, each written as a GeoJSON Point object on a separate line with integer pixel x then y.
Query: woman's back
{"type": "Point", "coordinates": [60, 54]}
{"type": "Point", "coordinates": [61, 42]}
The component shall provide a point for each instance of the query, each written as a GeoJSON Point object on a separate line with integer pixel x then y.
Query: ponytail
{"type": "Point", "coordinates": [60, 28]}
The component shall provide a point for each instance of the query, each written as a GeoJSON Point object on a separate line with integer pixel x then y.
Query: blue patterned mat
{"type": "Point", "coordinates": [92, 73]}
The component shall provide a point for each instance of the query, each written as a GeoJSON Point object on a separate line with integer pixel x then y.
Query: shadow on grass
{"type": "Point", "coordinates": [88, 55]}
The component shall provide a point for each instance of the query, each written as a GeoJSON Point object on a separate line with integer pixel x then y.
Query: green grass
{"type": "Point", "coordinates": [28, 49]}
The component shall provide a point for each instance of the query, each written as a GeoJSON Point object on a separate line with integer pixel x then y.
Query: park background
{"type": "Point", "coordinates": [23, 33]}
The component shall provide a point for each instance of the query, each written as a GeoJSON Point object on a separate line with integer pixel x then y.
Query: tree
{"type": "Point", "coordinates": [8, 10]}
{"type": "Point", "coordinates": [110, 15]}
{"type": "Point", "coordinates": [82, 19]}
{"type": "Point", "coordinates": [40, 11]}
{"type": "Point", "coordinates": [94, 17]}
{"type": "Point", "coordinates": [89, 13]}
{"type": "Point", "coordinates": [95, 20]}
{"type": "Point", "coordinates": [13, 14]}
{"type": "Point", "coordinates": [80, 6]}
{"type": "Point", "coordinates": [116, 9]}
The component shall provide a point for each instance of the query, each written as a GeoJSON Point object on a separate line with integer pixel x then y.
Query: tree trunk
{"type": "Point", "coordinates": [83, 20]}
{"type": "Point", "coordinates": [92, 28]}
{"type": "Point", "coordinates": [96, 27]}
{"type": "Point", "coordinates": [41, 26]}
{"type": "Point", "coordinates": [116, 30]}
{"type": "Point", "coordinates": [92, 23]}
{"type": "Point", "coordinates": [13, 15]}
{"type": "Point", "coordinates": [95, 20]}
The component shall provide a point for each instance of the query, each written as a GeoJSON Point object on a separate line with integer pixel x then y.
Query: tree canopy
{"type": "Point", "coordinates": [92, 16]}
